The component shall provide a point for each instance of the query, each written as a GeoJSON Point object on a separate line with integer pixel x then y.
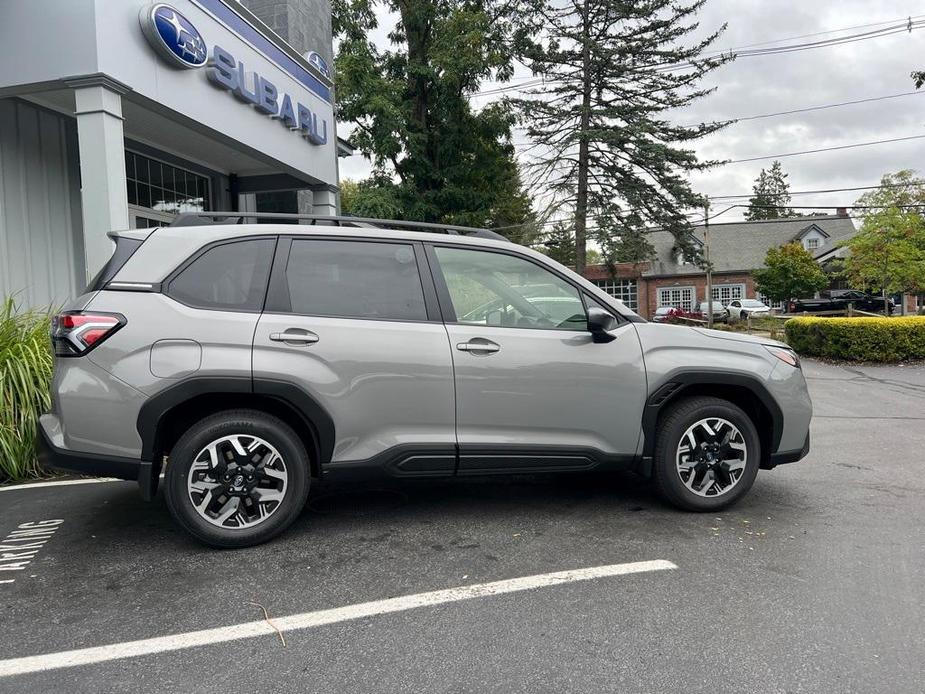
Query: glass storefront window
{"type": "Point", "coordinates": [164, 188]}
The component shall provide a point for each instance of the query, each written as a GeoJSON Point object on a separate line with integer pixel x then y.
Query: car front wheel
{"type": "Point", "coordinates": [707, 454]}
{"type": "Point", "coordinates": [237, 478]}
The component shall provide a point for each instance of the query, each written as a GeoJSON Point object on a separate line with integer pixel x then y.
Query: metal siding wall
{"type": "Point", "coordinates": [40, 257]}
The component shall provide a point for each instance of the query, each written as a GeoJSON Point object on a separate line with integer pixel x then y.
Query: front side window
{"type": "Point", "coordinates": [228, 277]}
{"type": "Point", "coordinates": [506, 291]}
{"type": "Point", "coordinates": [355, 279]}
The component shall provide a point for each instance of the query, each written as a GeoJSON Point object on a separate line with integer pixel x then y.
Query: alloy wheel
{"type": "Point", "coordinates": [711, 457]}
{"type": "Point", "coordinates": [237, 481]}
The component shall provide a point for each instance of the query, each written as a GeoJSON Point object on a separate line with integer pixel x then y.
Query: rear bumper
{"type": "Point", "coordinates": [95, 465]}
{"type": "Point", "coordinates": [782, 457]}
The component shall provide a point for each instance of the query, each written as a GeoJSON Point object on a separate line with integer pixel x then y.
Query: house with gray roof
{"type": "Point", "coordinates": [736, 249]}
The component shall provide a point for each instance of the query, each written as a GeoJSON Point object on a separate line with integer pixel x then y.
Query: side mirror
{"type": "Point", "coordinates": [600, 323]}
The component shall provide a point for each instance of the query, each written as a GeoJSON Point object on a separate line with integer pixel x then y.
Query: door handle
{"type": "Point", "coordinates": [479, 345]}
{"type": "Point", "coordinates": [295, 336]}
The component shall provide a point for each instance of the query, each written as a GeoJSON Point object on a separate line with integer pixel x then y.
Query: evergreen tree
{"type": "Point", "coordinates": [604, 143]}
{"type": "Point", "coordinates": [559, 244]}
{"type": "Point", "coordinates": [771, 195]}
{"type": "Point", "coordinates": [435, 158]}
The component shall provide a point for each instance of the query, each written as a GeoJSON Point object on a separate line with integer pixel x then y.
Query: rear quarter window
{"type": "Point", "coordinates": [125, 248]}
{"type": "Point", "coordinates": [231, 276]}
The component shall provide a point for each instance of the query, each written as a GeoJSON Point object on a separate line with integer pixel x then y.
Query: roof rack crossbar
{"type": "Point", "coordinates": [209, 217]}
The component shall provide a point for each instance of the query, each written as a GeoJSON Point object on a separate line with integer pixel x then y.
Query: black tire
{"type": "Point", "coordinates": [673, 425]}
{"type": "Point", "coordinates": [246, 423]}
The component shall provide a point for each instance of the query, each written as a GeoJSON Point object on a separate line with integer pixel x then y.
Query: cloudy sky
{"type": "Point", "coordinates": [760, 85]}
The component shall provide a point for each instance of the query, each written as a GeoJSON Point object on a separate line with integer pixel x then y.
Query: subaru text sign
{"type": "Point", "coordinates": [175, 38]}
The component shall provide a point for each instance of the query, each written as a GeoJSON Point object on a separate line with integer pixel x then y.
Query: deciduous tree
{"type": "Point", "coordinates": [789, 272]}
{"type": "Point", "coordinates": [888, 253]}
{"type": "Point", "coordinates": [435, 157]}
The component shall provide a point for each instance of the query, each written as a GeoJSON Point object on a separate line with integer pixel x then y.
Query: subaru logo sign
{"type": "Point", "coordinates": [178, 42]}
{"type": "Point", "coordinates": [173, 36]}
{"type": "Point", "coordinates": [319, 63]}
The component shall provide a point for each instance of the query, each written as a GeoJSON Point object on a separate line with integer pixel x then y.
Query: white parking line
{"type": "Point", "coordinates": [307, 620]}
{"type": "Point", "coordinates": [57, 483]}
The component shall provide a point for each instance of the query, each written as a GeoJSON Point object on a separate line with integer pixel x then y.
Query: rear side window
{"type": "Point", "coordinates": [355, 279]}
{"type": "Point", "coordinates": [124, 249]}
{"type": "Point", "coordinates": [229, 277]}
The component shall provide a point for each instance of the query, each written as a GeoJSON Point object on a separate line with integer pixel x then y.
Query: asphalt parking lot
{"type": "Point", "coordinates": [814, 583]}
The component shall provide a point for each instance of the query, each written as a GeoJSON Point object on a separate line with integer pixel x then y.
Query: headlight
{"type": "Point", "coordinates": [785, 355]}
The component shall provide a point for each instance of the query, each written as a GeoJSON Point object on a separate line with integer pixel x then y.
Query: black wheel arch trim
{"type": "Point", "coordinates": [310, 411]}
{"type": "Point", "coordinates": [681, 380]}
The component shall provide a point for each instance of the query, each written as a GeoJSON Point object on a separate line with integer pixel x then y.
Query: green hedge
{"type": "Point", "coordinates": [859, 339]}
{"type": "Point", "coordinates": [25, 373]}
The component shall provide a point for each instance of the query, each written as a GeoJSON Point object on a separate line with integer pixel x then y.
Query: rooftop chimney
{"type": "Point", "coordinates": [841, 212]}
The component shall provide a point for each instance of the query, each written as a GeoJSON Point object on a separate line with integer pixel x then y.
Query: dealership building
{"type": "Point", "coordinates": [119, 114]}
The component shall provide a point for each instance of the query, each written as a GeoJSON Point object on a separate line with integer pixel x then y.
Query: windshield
{"type": "Point", "coordinates": [751, 302]}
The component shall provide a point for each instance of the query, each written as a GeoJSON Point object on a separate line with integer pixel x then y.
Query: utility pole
{"type": "Point", "coordinates": [706, 257]}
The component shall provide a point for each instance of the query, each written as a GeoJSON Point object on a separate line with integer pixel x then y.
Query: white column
{"type": "Point", "coordinates": [324, 201]}
{"type": "Point", "coordinates": [103, 195]}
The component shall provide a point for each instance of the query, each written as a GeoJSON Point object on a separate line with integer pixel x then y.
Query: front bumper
{"type": "Point", "coordinates": [95, 465]}
{"type": "Point", "coordinates": [782, 457]}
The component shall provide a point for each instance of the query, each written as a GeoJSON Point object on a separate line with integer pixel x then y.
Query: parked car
{"type": "Point", "coordinates": [838, 300]}
{"type": "Point", "coordinates": [719, 311]}
{"type": "Point", "coordinates": [740, 309]}
{"type": "Point", "coordinates": [249, 361]}
{"type": "Point", "coordinates": [664, 314]}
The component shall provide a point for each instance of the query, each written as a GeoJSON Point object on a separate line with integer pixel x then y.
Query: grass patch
{"type": "Point", "coordinates": [25, 374]}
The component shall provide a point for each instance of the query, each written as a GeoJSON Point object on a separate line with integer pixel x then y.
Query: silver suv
{"type": "Point", "coordinates": [247, 360]}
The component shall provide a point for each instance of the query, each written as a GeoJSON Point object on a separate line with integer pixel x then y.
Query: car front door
{"type": "Point", "coordinates": [350, 323]}
{"type": "Point", "coordinates": [533, 389]}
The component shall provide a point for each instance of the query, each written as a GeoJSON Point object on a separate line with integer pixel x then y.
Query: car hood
{"type": "Point", "coordinates": [740, 337]}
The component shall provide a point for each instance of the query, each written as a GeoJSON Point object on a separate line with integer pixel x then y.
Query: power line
{"type": "Point", "coordinates": [751, 195]}
{"type": "Point", "coordinates": [825, 149]}
{"type": "Point", "coordinates": [743, 51]}
{"type": "Point", "coordinates": [821, 107]}
{"type": "Point", "coordinates": [806, 109]}
{"type": "Point", "coordinates": [814, 192]}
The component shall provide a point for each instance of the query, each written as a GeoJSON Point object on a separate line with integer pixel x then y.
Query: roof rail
{"type": "Point", "coordinates": [187, 219]}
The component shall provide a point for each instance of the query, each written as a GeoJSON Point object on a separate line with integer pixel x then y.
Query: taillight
{"type": "Point", "coordinates": [74, 333]}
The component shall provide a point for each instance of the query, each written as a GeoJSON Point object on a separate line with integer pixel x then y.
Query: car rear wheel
{"type": "Point", "coordinates": [707, 454]}
{"type": "Point", "coordinates": [237, 478]}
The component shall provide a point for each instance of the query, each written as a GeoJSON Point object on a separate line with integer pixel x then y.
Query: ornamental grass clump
{"type": "Point", "coordinates": [25, 374]}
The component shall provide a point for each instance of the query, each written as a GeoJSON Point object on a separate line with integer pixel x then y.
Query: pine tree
{"type": "Point", "coordinates": [623, 242]}
{"type": "Point", "coordinates": [604, 140]}
{"type": "Point", "coordinates": [771, 195]}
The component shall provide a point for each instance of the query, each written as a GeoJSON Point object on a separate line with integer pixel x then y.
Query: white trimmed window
{"type": "Point", "coordinates": [625, 290]}
{"type": "Point", "coordinates": [812, 243]}
{"type": "Point", "coordinates": [724, 293]}
{"type": "Point", "coordinates": [677, 297]}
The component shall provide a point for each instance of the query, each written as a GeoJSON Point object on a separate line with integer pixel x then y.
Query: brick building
{"type": "Point", "coordinates": [736, 249]}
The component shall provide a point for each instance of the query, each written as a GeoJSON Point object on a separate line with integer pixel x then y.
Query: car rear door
{"type": "Point", "coordinates": [533, 390]}
{"type": "Point", "coordinates": [349, 321]}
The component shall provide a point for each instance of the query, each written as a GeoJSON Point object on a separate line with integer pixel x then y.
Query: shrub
{"type": "Point", "coordinates": [859, 339]}
{"type": "Point", "coordinates": [25, 373]}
